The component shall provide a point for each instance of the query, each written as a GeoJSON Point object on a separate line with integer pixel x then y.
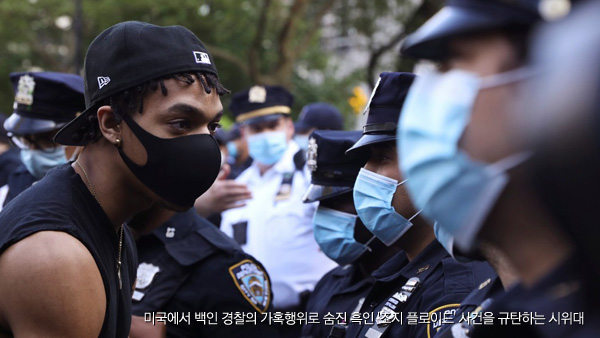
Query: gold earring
{"type": "Point", "coordinates": [118, 142]}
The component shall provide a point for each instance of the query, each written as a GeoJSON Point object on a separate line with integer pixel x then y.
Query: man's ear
{"type": "Point", "coordinates": [109, 125]}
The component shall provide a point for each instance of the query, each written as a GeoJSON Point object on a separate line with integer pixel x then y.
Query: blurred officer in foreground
{"type": "Point", "coordinates": [563, 126]}
{"type": "Point", "coordinates": [423, 278]}
{"type": "Point", "coordinates": [9, 154]}
{"type": "Point", "coordinates": [44, 103]}
{"type": "Point", "coordinates": [464, 168]}
{"type": "Point", "coordinates": [339, 232]}
{"type": "Point", "coordinates": [275, 226]}
{"type": "Point", "coordinates": [189, 266]}
{"type": "Point", "coordinates": [146, 137]}
{"type": "Point", "coordinates": [316, 116]}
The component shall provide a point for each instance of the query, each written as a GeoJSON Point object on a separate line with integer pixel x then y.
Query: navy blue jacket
{"type": "Point", "coordinates": [472, 305]}
{"type": "Point", "coordinates": [188, 266]}
{"type": "Point", "coordinates": [444, 283]}
{"type": "Point", "coordinates": [18, 181]}
{"type": "Point", "coordinates": [562, 291]}
{"type": "Point", "coordinates": [342, 289]}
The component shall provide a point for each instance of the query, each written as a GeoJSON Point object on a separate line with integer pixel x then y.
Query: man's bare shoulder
{"type": "Point", "coordinates": [50, 286]}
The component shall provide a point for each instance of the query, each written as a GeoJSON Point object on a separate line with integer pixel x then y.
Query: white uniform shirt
{"type": "Point", "coordinates": [280, 233]}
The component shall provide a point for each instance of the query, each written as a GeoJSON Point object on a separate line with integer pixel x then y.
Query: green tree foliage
{"type": "Point", "coordinates": [253, 41]}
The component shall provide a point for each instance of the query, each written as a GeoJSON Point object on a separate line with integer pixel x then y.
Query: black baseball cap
{"type": "Point", "coordinates": [384, 109]}
{"type": "Point", "coordinates": [131, 53]}
{"type": "Point", "coordinates": [44, 101]}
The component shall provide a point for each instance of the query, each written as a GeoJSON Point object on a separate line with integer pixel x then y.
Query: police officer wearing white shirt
{"type": "Point", "coordinates": [275, 226]}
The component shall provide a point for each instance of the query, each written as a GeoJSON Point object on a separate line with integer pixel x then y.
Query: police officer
{"type": "Point", "coordinates": [465, 168]}
{"type": "Point", "coordinates": [562, 128]}
{"type": "Point", "coordinates": [316, 116]}
{"type": "Point", "coordinates": [275, 226]}
{"type": "Point", "coordinates": [187, 266]}
{"type": "Point", "coordinates": [423, 278]}
{"type": "Point", "coordinates": [339, 232]}
{"type": "Point", "coordinates": [9, 154]}
{"type": "Point", "coordinates": [44, 102]}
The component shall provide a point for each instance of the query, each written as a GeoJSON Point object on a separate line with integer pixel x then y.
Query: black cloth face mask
{"type": "Point", "coordinates": [178, 169]}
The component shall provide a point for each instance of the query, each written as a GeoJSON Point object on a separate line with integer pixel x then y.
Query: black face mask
{"type": "Point", "coordinates": [178, 169]}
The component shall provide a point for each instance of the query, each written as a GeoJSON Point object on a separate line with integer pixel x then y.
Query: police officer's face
{"type": "Point", "coordinates": [486, 135]}
{"type": "Point", "coordinates": [384, 161]}
{"type": "Point", "coordinates": [345, 203]}
{"type": "Point", "coordinates": [284, 124]}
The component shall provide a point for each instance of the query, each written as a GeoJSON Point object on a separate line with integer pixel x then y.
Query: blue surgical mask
{"type": "Point", "coordinates": [302, 141]}
{"type": "Point", "coordinates": [334, 232]}
{"type": "Point", "coordinates": [268, 147]}
{"type": "Point", "coordinates": [38, 162]}
{"type": "Point", "coordinates": [449, 186]}
{"type": "Point", "coordinates": [373, 194]}
{"type": "Point", "coordinates": [445, 239]}
{"type": "Point", "coordinates": [232, 150]}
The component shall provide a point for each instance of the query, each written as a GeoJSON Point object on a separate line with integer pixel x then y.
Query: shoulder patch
{"type": "Point", "coordinates": [145, 275]}
{"type": "Point", "coordinates": [439, 316]}
{"type": "Point", "coordinates": [253, 282]}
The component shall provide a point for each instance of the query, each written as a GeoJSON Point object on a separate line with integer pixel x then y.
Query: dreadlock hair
{"type": "Point", "coordinates": [132, 99]}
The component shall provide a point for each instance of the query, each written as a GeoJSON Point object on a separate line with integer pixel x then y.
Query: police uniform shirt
{"type": "Point", "coordinates": [62, 202]}
{"type": "Point", "coordinates": [276, 228]}
{"type": "Point", "coordinates": [471, 307]}
{"type": "Point", "coordinates": [19, 180]}
{"type": "Point", "coordinates": [187, 266]}
{"type": "Point", "coordinates": [561, 292]}
{"type": "Point", "coordinates": [342, 290]}
{"type": "Point", "coordinates": [9, 161]}
{"type": "Point", "coordinates": [443, 284]}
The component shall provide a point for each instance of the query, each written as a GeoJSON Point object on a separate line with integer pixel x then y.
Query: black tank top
{"type": "Point", "coordinates": [62, 202]}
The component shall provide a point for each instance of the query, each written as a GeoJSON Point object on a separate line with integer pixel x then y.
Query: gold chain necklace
{"type": "Point", "coordinates": [93, 191]}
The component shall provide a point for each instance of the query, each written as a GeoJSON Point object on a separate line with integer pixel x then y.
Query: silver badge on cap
{"type": "Point", "coordinates": [551, 10]}
{"type": "Point", "coordinates": [311, 161]}
{"type": "Point", "coordinates": [257, 94]}
{"type": "Point", "coordinates": [25, 90]}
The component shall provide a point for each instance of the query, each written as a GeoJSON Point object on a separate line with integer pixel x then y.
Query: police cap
{"type": "Point", "coordinates": [384, 109]}
{"type": "Point", "coordinates": [44, 101]}
{"type": "Point", "coordinates": [261, 103]}
{"type": "Point", "coordinates": [460, 17]}
{"type": "Point", "coordinates": [319, 115]}
{"type": "Point", "coordinates": [333, 172]}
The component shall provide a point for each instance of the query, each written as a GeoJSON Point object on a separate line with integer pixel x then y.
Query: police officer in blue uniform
{"type": "Point", "coordinates": [316, 116]}
{"type": "Point", "coordinates": [339, 232]}
{"type": "Point", "coordinates": [44, 102]}
{"type": "Point", "coordinates": [423, 279]}
{"type": "Point", "coordinates": [187, 266]}
{"type": "Point", "coordinates": [9, 154]}
{"type": "Point", "coordinates": [465, 168]}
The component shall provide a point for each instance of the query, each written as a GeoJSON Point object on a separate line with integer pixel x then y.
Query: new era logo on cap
{"type": "Point", "coordinates": [202, 57]}
{"type": "Point", "coordinates": [103, 81]}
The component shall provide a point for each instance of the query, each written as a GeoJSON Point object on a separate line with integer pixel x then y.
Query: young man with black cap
{"type": "Point", "coordinates": [67, 258]}
{"type": "Point", "coordinates": [423, 278]}
{"type": "Point", "coordinates": [275, 226]}
{"type": "Point", "coordinates": [339, 232]}
{"type": "Point", "coordinates": [464, 167]}
{"type": "Point", "coordinates": [44, 103]}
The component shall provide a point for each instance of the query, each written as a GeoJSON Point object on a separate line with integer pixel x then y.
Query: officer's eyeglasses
{"type": "Point", "coordinates": [41, 142]}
